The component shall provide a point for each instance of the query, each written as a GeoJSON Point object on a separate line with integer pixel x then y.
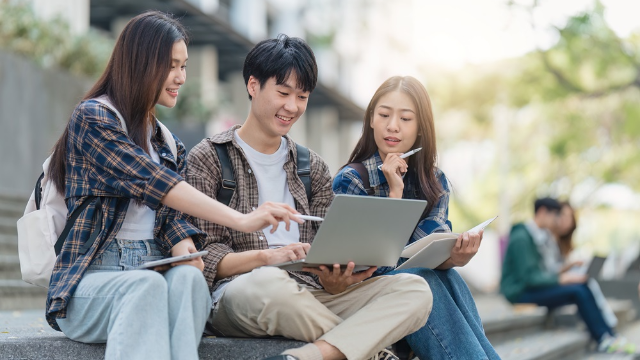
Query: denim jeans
{"type": "Point", "coordinates": [141, 314]}
{"type": "Point", "coordinates": [454, 329]}
{"type": "Point", "coordinates": [578, 294]}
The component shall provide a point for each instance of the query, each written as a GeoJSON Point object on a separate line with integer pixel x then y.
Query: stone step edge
{"type": "Point", "coordinates": [59, 347]}
{"type": "Point", "coordinates": [560, 344]}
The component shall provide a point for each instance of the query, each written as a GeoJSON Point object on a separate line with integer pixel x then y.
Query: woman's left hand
{"type": "Point", "coordinates": [186, 247]}
{"type": "Point", "coordinates": [466, 248]}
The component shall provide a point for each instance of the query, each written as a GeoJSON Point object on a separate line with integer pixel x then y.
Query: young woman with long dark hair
{"type": "Point", "coordinates": [398, 119]}
{"type": "Point", "coordinates": [137, 201]}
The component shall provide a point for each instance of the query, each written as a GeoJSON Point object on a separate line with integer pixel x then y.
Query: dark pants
{"type": "Point", "coordinates": [578, 294]}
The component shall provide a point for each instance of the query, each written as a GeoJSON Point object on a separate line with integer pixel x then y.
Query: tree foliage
{"type": "Point", "coordinates": [574, 114]}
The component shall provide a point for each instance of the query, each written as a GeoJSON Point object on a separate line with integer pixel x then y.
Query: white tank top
{"type": "Point", "coordinates": [140, 219]}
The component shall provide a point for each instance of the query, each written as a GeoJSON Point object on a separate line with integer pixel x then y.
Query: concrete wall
{"type": "Point", "coordinates": [35, 105]}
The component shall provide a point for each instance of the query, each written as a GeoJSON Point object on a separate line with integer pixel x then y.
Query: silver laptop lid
{"type": "Point", "coordinates": [367, 230]}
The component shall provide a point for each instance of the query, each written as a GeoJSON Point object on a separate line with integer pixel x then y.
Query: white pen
{"type": "Point", "coordinates": [405, 155]}
{"type": "Point", "coordinates": [309, 217]}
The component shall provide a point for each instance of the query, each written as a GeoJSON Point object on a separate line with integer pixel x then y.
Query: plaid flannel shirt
{"type": "Point", "coordinates": [347, 181]}
{"type": "Point", "coordinates": [204, 173]}
{"type": "Point", "coordinates": [102, 161]}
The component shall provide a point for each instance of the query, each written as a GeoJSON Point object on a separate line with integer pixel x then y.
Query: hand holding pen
{"type": "Point", "coordinates": [405, 155]}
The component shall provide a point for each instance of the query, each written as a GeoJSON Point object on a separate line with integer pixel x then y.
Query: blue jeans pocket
{"type": "Point", "coordinates": [126, 255]}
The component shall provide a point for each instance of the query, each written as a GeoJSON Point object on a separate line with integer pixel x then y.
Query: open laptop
{"type": "Point", "coordinates": [595, 267]}
{"type": "Point", "coordinates": [368, 230]}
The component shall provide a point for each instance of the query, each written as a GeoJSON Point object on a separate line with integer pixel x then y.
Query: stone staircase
{"type": "Point", "coordinates": [520, 332]}
{"type": "Point", "coordinates": [15, 294]}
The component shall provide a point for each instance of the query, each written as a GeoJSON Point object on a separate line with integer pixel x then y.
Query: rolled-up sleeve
{"type": "Point", "coordinates": [120, 166]}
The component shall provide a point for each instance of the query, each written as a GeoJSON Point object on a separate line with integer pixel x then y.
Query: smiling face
{"type": "Point", "coordinates": [394, 123]}
{"type": "Point", "coordinates": [177, 75]}
{"type": "Point", "coordinates": [276, 107]}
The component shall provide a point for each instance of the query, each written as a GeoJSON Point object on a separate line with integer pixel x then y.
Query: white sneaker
{"type": "Point", "coordinates": [385, 354]}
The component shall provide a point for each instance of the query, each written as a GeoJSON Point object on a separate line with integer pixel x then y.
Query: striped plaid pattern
{"type": "Point", "coordinates": [347, 181]}
{"type": "Point", "coordinates": [204, 173]}
{"type": "Point", "coordinates": [102, 161]}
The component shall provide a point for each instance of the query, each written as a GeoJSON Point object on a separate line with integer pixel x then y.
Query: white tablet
{"type": "Point", "coordinates": [152, 264]}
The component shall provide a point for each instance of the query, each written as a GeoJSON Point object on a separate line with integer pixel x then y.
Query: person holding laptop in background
{"type": "Point", "coordinates": [397, 120]}
{"type": "Point", "coordinates": [339, 313]}
{"type": "Point", "coordinates": [531, 274]}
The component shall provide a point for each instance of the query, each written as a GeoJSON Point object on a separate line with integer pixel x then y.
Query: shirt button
{"type": "Point", "coordinates": [261, 237]}
{"type": "Point", "coordinates": [249, 171]}
{"type": "Point", "coordinates": [164, 154]}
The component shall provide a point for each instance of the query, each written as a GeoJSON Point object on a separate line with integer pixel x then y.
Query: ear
{"type": "Point", "coordinates": [252, 86]}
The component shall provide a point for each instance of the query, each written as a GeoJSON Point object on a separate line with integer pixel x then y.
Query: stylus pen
{"type": "Point", "coordinates": [309, 217]}
{"type": "Point", "coordinates": [407, 154]}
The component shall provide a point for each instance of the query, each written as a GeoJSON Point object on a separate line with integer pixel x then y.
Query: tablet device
{"type": "Point", "coordinates": [171, 260]}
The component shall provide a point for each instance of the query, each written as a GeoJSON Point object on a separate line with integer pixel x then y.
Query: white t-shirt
{"type": "Point", "coordinates": [272, 186]}
{"type": "Point", "coordinates": [140, 219]}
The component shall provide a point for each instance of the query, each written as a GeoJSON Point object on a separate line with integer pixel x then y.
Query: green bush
{"type": "Point", "coordinates": [50, 43]}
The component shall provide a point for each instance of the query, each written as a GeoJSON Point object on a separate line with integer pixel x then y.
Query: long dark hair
{"type": "Point", "coordinates": [565, 241]}
{"type": "Point", "coordinates": [422, 164]}
{"type": "Point", "coordinates": [133, 80]}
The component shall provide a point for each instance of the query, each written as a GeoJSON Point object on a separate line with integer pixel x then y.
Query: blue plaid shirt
{"type": "Point", "coordinates": [102, 161]}
{"type": "Point", "coordinates": [348, 181]}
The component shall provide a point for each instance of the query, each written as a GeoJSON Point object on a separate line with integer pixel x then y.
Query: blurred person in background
{"type": "Point", "coordinates": [532, 272]}
{"type": "Point", "coordinates": [563, 234]}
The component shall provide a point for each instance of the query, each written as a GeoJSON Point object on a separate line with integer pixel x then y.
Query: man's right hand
{"type": "Point", "coordinates": [569, 278]}
{"type": "Point", "coordinates": [291, 252]}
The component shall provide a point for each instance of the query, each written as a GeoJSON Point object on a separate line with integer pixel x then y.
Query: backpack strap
{"type": "Point", "coordinates": [228, 179]}
{"type": "Point", "coordinates": [168, 138]}
{"type": "Point", "coordinates": [303, 162]}
{"type": "Point", "coordinates": [72, 220]}
{"type": "Point", "coordinates": [364, 176]}
{"type": "Point", "coordinates": [228, 187]}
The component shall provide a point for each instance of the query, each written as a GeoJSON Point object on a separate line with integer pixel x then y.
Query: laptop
{"type": "Point", "coordinates": [368, 230]}
{"type": "Point", "coordinates": [595, 267]}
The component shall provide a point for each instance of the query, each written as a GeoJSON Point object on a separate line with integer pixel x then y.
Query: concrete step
{"type": "Point", "coordinates": [8, 225]}
{"type": "Point", "coordinates": [8, 244]}
{"type": "Point", "coordinates": [503, 321]}
{"type": "Point", "coordinates": [12, 207]}
{"type": "Point", "coordinates": [26, 335]}
{"type": "Point", "coordinates": [10, 267]}
{"type": "Point", "coordinates": [18, 295]}
{"type": "Point", "coordinates": [565, 344]}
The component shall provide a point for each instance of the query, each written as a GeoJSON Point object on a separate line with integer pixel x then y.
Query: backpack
{"type": "Point", "coordinates": [44, 226]}
{"type": "Point", "coordinates": [303, 162]}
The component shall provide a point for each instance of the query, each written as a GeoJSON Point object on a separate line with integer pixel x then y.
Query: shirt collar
{"type": "Point", "coordinates": [540, 236]}
{"type": "Point", "coordinates": [227, 136]}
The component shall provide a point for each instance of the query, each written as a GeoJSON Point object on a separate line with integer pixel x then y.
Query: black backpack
{"type": "Point", "coordinates": [228, 187]}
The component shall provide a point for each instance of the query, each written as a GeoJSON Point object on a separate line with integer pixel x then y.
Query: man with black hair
{"type": "Point", "coordinates": [530, 274]}
{"type": "Point", "coordinates": [340, 314]}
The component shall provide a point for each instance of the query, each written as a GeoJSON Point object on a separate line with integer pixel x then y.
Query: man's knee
{"type": "Point", "coordinates": [266, 284]}
{"type": "Point", "coordinates": [417, 296]}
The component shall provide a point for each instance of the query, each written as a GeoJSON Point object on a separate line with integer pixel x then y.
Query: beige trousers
{"type": "Point", "coordinates": [360, 321]}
